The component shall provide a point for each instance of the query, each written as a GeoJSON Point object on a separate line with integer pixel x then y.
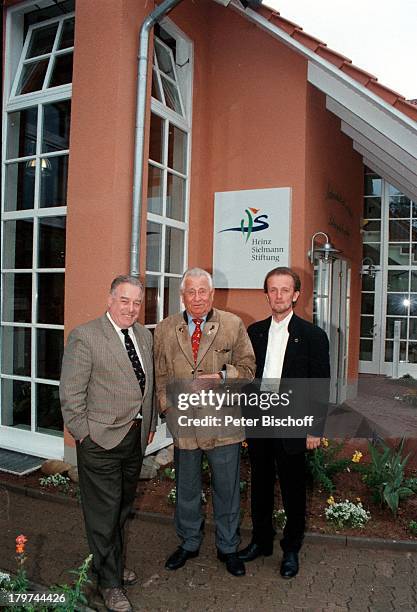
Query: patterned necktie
{"type": "Point", "coordinates": [195, 338]}
{"type": "Point", "coordinates": [133, 356]}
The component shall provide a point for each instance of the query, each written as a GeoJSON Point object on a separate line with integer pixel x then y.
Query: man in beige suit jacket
{"type": "Point", "coordinates": [224, 351]}
{"type": "Point", "coordinates": [106, 396]}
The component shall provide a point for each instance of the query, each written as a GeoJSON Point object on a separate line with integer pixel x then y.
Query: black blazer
{"type": "Point", "coordinates": [306, 356]}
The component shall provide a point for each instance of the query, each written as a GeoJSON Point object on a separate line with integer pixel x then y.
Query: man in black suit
{"type": "Point", "coordinates": [286, 347]}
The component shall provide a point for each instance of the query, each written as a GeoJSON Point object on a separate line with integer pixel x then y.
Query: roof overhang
{"type": "Point", "coordinates": [384, 136]}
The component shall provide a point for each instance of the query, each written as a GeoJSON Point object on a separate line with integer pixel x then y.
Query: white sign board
{"type": "Point", "coordinates": [251, 236]}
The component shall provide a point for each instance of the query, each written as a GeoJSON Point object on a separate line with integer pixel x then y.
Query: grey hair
{"type": "Point", "coordinates": [126, 278]}
{"type": "Point", "coordinates": [194, 273]}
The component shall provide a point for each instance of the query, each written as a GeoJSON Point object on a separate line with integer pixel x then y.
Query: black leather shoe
{"type": "Point", "coordinates": [289, 565]}
{"type": "Point", "coordinates": [179, 558]}
{"type": "Point", "coordinates": [234, 565]}
{"type": "Point", "coordinates": [253, 551]}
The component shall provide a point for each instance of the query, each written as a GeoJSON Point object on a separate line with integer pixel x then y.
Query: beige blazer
{"type": "Point", "coordinates": [224, 344]}
{"type": "Point", "coordinates": [99, 391]}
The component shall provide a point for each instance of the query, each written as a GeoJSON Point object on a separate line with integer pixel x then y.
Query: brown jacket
{"type": "Point", "coordinates": [224, 345]}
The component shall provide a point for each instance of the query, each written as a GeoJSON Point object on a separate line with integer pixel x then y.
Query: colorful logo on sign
{"type": "Point", "coordinates": [253, 224]}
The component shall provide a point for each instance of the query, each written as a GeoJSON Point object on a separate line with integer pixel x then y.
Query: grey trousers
{"type": "Point", "coordinates": [225, 476]}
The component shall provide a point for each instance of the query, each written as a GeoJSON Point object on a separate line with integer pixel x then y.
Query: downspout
{"type": "Point", "coordinates": [143, 56]}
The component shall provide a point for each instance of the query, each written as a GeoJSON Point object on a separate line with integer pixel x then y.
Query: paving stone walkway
{"type": "Point", "coordinates": [332, 578]}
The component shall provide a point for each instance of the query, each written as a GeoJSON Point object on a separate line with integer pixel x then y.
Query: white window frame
{"type": "Point", "coordinates": [184, 75]}
{"type": "Point", "coordinates": [16, 43]}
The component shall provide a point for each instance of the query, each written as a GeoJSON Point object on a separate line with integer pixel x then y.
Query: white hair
{"type": "Point", "coordinates": [195, 273]}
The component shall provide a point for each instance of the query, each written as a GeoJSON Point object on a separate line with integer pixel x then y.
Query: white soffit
{"type": "Point", "coordinates": [386, 137]}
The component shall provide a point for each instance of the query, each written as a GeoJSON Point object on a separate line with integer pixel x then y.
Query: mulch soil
{"type": "Point", "coordinates": [152, 496]}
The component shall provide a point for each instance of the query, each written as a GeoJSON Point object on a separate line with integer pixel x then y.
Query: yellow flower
{"type": "Point", "coordinates": [331, 501]}
{"type": "Point", "coordinates": [357, 456]}
{"type": "Point", "coordinates": [325, 442]}
{"type": "Point", "coordinates": [245, 444]}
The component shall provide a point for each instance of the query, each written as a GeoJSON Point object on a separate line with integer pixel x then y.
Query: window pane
{"type": "Point", "coordinates": [62, 70]}
{"type": "Point", "coordinates": [17, 243]}
{"type": "Point", "coordinates": [21, 133]}
{"type": "Point", "coordinates": [164, 60]}
{"type": "Point", "coordinates": [415, 209]}
{"type": "Point", "coordinates": [390, 327]}
{"type": "Point", "coordinates": [393, 190]}
{"type": "Point", "coordinates": [367, 327]}
{"type": "Point", "coordinates": [171, 296]}
{"type": "Point", "coordinates": [412, 352]}
{"type": "Point", "coordinates": [33, 76]}
{"type": "Point", "coordinates": [152, 294]}
{"type": "Point", "coordinates": [174, 250]}
{"type": "Point", "coordinates": [389, 349]}
{"type": "Point", "coordinates": [20, 186]}
{"type": "Point", "coordinates": [177, 149]}
{"type": "Point", "coordinates": [155, 190]}
{"type": "Point", "coordinates": [372, 251]}
{"type": "Point", "coordinates": [54, 177]}
{"type": "Point", "coordinates": [51, 298]}
{"type": "Point", "coordinates": [51, 242]}
{"type": "Point", "coordinates": [398, 255]}
{"type": "Point", "coordinates": [156, 89]}
{"type": "Point", "coordinates": [16, 351]}
{"type": "Point", "coordinates": [365, 350]}
{"type": "Point", "coordinates": [42, 40]}
{"type": "Point", "coordinates": [50, 348]}
{"type": "Point", "coordinates": [156, 138]}
{"type": "Point", "coordinates": [17, 298]}
{"type": "Point", "coordinates": [413, 306]}
{"type": "Point", "coordinates": [67, 34]}
{"type": "Point", "coordinates": [368, 303]}
{"type": "Point", "coordinates": [372, 231]}
{"type": "Point", "coordinates": [399, 231]}
{"type": "Point", "coordinates": [372, 208]}
{"type": "Point", "coordinates": [172, 99]}
{"type": "Point", "coordinates": [48, 409]}
{"type": "Point", "coordinates": [412, 329]}
{"type": "Point", "coordinates": [399, 207]}
{"type": "Point", "coordinates": [153, 247]}
{"type": "Point", "coordinates": [16, 403]}
{"type": "Point", "coordinates": [414, 230]}
{"type": "Point", "coordinates": [397, 303]}
{"type": "Point", "coordinates": [175, 197]}
{"type": "Point", "coordinates": [372, 184]}
{"type": "Point", "coordinates": [368, 283]}
{"type": "Point", "coordinates": [398, 280]}
{"type": "Point", "coordinates": [413, 281]}
{"type": "Point", "coordinates": [56, 126]}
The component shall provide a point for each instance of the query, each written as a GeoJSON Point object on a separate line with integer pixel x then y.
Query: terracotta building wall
{"type": "Point", "coordinates": [334, 172]}
{"type": "Point", "coordinates": [248, 131]}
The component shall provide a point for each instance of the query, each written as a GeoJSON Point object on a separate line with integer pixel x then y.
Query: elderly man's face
{"type": "Point", "coordinates": [124, 304]}
{"type": "Point", "coordinates": [197, 296]}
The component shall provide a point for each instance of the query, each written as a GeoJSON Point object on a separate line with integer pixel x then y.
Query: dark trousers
{"type": "Point", "coordinates": [268, 457]}
{"type": "Point", "coordinates": [108, 480]}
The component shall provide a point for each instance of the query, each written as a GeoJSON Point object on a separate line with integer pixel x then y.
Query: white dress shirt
{"type": "Point", "coordinates": [122, 338]}
{"type": "Point", "coordinates": [277, 345]}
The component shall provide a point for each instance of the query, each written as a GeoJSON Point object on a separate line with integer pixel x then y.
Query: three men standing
{"type": "Point", "coordinates": [106, 396]}
{"type": "Point", "coordinates": [286, 347]}
{"type": "Point", "coordinates": [204, 343]}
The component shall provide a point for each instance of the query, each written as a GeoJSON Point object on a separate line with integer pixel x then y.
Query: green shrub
{"type": "Point", "coordinates": [385, 476]}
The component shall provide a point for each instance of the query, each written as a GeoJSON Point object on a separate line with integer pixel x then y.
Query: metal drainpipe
{"type": "Point", "coordinates": [157, 14]}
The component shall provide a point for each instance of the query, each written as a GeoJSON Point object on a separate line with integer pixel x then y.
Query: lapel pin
{"type": "Point", "coordinates": [295, 339]}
